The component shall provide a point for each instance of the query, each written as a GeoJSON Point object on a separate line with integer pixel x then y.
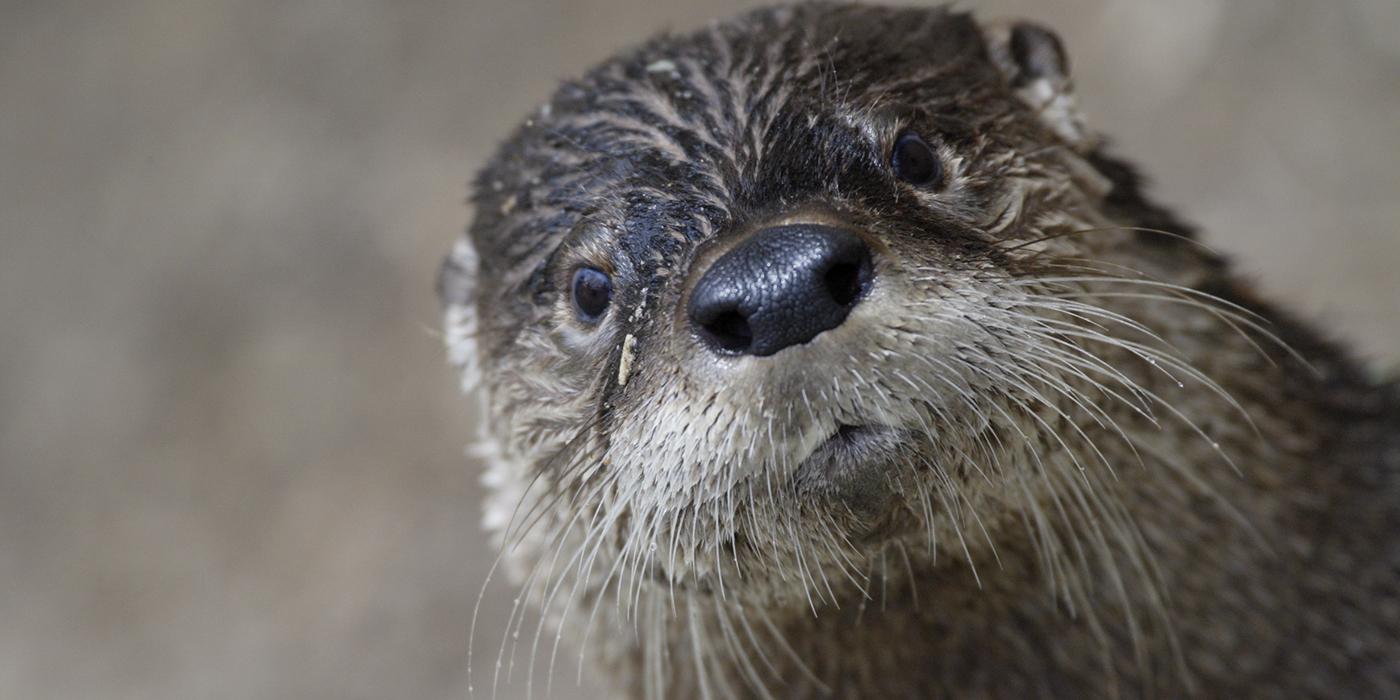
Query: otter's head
{"type": "Point", "coordinates": [749, 305]}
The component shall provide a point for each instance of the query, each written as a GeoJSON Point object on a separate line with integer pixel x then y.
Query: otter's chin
{"type": "Point", "coordinates": [855, 467]}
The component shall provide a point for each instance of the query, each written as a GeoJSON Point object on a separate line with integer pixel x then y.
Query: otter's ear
{"type": "Point", "coordinates": [1036, 66]}
{"type": "Point", "coordinates": [456, 286]}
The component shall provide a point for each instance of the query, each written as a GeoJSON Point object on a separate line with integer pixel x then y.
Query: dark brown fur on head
{"type": "Point", "coordinates": [1086, 461]}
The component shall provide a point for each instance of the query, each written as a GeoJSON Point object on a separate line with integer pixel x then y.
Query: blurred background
{"type": "Point", "coordinates": [230, 448]}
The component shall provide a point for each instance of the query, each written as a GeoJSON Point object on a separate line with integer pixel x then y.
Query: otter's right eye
{"type": "Point", "coordinates": [592, 292]}
{"type": "Point", "coordinates": [915, 162]}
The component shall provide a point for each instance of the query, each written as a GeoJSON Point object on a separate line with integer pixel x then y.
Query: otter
{"type": "Point", "coordinates": [826, 352]}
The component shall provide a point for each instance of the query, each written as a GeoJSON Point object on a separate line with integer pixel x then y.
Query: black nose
{"type": "Point", "coordinates": [780, 287]}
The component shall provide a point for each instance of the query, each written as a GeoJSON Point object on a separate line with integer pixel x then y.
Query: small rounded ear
{"type": "Point", "coordinates": [456, 286]}
{"type": "Point", "coordinates": [1037, 54]}
{"type": "Point", "coordinates": [456, 281]}
{"type": "Point", "coordinates": [1036, 67]}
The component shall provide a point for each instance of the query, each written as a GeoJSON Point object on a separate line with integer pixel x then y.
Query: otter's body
{"type": "Point", "coordinates": [826, 353]}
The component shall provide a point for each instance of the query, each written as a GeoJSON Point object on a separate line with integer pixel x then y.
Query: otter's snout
{"type": "Point", "coordinates": [780, 287]}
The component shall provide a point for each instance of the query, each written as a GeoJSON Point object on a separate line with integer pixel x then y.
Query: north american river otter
{"type": "Point", "coordinates": [825, 352]}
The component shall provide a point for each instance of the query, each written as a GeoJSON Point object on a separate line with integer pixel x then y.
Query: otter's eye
{"type": "Point", "coordinates": [915, 162]}
{"type": "Point", "coordinates": [592, 293]}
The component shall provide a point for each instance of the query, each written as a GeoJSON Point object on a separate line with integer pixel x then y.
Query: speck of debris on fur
{"type": "Point", "coordinates": [509, 205]}
{"type": "Point", "coordinates": [624, 366]}
{"type": "Point", "coordinates": [637, 312]}
{"type": "Point", "coordinates": [663, 66]}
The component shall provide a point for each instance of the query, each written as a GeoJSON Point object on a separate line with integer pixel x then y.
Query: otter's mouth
{"type": "Point", "coordinates": [851, 463]}
{"type": "Point", "coordinates": [851, 437]}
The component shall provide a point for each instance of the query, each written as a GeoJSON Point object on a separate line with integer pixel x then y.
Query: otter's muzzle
{"type": "Point", "coordinates": [782, 286]}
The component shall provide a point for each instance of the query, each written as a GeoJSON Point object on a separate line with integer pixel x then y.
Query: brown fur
{"type": "Point", "coordinates": [1111, 470]}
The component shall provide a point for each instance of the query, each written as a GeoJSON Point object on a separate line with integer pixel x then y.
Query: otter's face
{"type": "Point", "coordinates": [751, 304]}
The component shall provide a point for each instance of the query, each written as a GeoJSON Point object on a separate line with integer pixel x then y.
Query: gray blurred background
{"type": "Point", "coordinates": [230, 450]}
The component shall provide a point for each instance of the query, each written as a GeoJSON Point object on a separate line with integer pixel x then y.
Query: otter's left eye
{"type": "Point", "coordinates": [915, 162]}
{"type": "Point", "coordinates": [592, 292]}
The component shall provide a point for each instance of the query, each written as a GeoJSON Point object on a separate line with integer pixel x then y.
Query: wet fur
{"type": "Point", "coordinates": [1113, 471]}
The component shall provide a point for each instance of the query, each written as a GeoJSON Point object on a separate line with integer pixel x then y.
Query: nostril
{"type": "Point", "coordinates": [730, 331]}
{"type": "Point", "coordinates": [843, 283]}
